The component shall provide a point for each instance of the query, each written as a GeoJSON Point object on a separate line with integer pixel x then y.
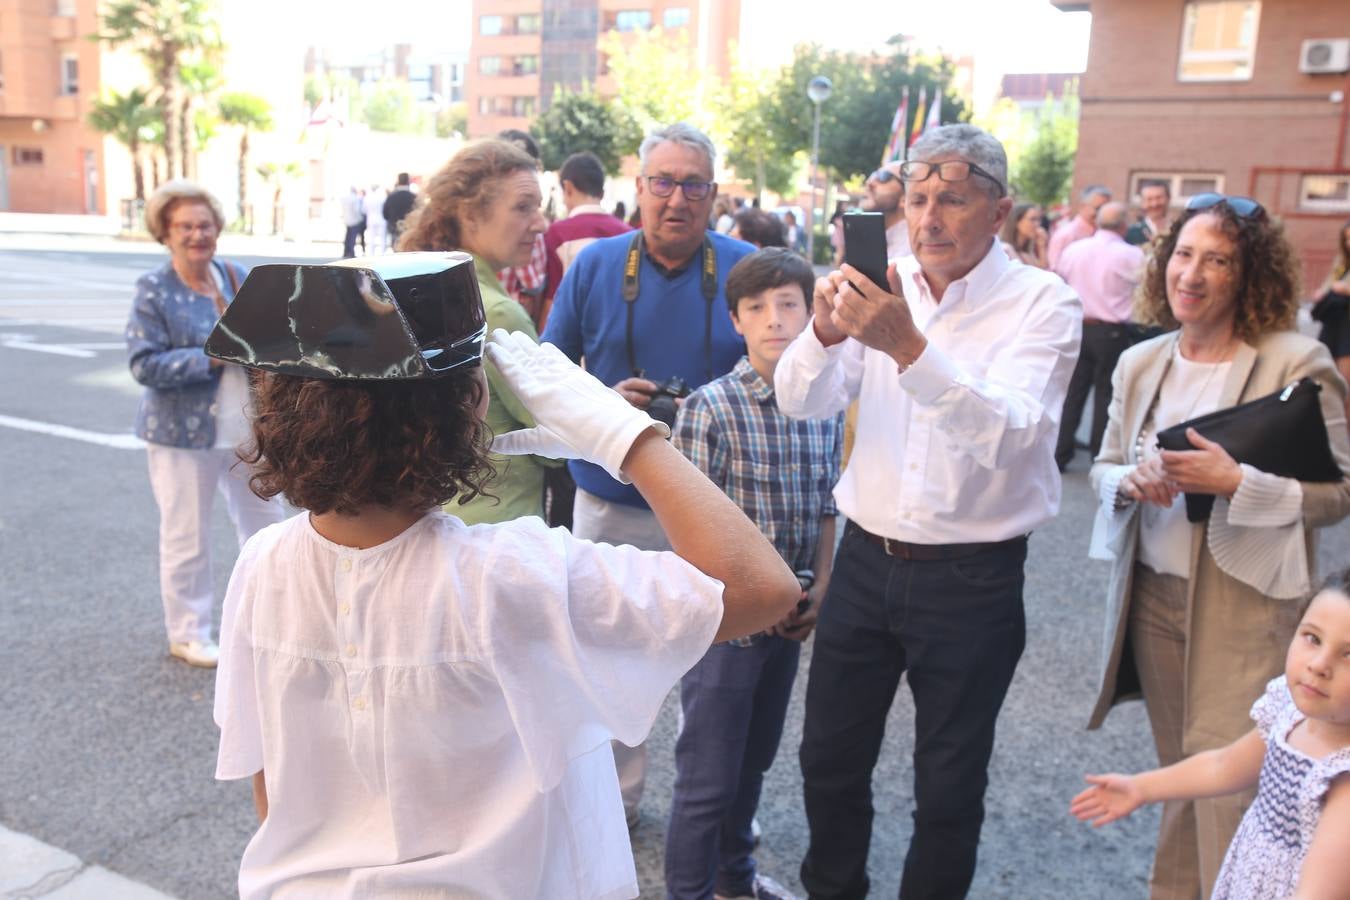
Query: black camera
{"type": "Point", "coordinates": [662, 408]}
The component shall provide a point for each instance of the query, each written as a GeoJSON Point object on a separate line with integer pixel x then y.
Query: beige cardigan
{"type": "Point", "coordinates": [1236, 636]}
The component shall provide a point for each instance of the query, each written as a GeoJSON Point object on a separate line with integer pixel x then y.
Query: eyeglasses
{"type": "Point", "coordinates": [1243, 207]}
{"type": "Point", "coordinates": [662, 186]}
{"type": "Point", "coordinates": [882, 176]}
{"type": "Point", "coordinates": [951, 171]}
{"type": "Point", "coordinates": [183, 229]}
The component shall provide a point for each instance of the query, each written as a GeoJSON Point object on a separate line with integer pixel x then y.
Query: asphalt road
{"type": "Point", "coordinates": [108, 744]}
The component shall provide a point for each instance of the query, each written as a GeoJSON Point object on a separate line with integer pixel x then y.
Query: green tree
{"type": "Point", "coordinates": [855, 122]}
{"type": "Point", "coordinates": [249, 113]}
{"type": "Point", "coordinates": [581, 121]}
{"type": "Point", "coordinates": [657, 80]}
{"type": "Point", "coordinates": [391, 107]}
{"type": "Point", "coordinates": [279, 175]}
{"type": "Point", "coordinates": [1044, 169]}
{"type": "Point", "coordinates": [167, 34]}
{"type": "Point", "coordinates": [453, 121]}
{"type": "Point", "coordinates": [754, 148]}
{"type": "Point", "coordinates": [199, 79]}
{"type": "Point", "coordinates": [129, 119]}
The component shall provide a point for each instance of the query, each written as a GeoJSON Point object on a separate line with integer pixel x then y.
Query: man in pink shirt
{"type": "Point", "coordinates": [583, 185]}
{"type": "Point", "coordinates": [1081, 225]}
{"type": "Point", "coordinates": [1104, 271]}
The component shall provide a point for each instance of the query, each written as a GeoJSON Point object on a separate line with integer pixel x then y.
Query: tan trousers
{"type": "Point", "coordinates": [1194, 835]}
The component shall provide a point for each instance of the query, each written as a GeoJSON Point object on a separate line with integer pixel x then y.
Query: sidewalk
{"type": "Point", "coordinates": [103, 233]}
{"type": "Point", "coordinates": [32, 870]}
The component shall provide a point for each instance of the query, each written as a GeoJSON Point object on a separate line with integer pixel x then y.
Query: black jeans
{"type": "Point", "coordinates": [957, 627]}
{"type": "Point", "coordinates": [1103, 342]}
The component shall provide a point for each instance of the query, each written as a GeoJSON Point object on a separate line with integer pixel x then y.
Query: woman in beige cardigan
{"type": "Point", "coordinates": [1199, 615]}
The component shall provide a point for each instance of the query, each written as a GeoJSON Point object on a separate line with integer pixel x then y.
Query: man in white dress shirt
{"type": "Point", "coordinates": [960, 368]}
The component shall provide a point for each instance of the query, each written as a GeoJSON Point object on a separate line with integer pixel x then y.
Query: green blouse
{"type": "Point", "coordinates": [519, 485]}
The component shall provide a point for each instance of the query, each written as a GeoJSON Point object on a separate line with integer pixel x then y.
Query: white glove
{"type": "Point", "coordinates": [576, 416]}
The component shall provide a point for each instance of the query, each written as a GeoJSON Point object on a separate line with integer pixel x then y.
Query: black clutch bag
{"type": "Point", "coordinates": [1283, 434]}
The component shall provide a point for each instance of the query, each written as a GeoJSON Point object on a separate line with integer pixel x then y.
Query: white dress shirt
{"type": "Point", "coordinates": [959, 448]}
{"type": "Point", "coordinates": [433, 714]}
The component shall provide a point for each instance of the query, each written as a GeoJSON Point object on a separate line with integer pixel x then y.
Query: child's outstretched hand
{"type": "Point", "coordinates": [1111, 797]}
{"type": "Point", "coordinates": [576, 417]}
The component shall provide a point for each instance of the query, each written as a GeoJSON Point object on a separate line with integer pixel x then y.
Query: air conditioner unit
{"type": "Point", "coordinates": [1322, 56]}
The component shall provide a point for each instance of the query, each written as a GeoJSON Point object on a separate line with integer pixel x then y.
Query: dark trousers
{"type": "Point", "coordinates": [1103, 342]}
{"type": "Point", "coordinates": [957, 628]}
{"type": "Point", "coordinates": [349, 240]}
{"type": "Point", "coordinates": [734, 701]}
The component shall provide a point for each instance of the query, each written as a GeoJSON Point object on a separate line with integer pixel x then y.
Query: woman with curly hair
{"type": "Point", "coordinates": [486, 202]}
{"type": "Point", "coordinates": [425, 707]}
{"type": "Point", "coordinates": [1198, 614]}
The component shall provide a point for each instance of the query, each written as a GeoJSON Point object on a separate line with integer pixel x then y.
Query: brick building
{"type": "Point", "coordinates": [522, 49]}
{"type": "Point", "coordinates": [1223, 95]}
{"type": "Point", "coordinates": [50, 160]}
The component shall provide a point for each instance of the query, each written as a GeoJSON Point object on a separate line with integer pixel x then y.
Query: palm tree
{"type": "Point", "coordinates": [199, 80]}
{"type": "Point", "coordinates": [249, 112]}
{"type": "Point", "coordinates": [278, 174]}
{"type": "Point", "coordinates": [130, 119]}
{"type": "Point", "coordinates": [167, 34]}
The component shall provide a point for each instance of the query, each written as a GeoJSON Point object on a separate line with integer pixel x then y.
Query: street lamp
{"type": "Point", "coordinates": [819, 90]}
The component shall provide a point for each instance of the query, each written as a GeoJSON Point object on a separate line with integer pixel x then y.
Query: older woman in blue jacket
{"type": "Point", "coordinates": [194, 412]}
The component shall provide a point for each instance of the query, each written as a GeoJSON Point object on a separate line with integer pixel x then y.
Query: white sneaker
{"type": "Point", "coordinates": [197, 653]}
{"type": "Point", "coordinates": [764, 888]}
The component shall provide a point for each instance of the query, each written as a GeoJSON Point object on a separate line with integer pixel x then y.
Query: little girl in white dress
{"type": "Point", "coordinates": [1294, 840]}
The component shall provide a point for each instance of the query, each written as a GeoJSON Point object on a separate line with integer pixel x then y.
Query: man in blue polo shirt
{"type": "Point", "coordinates": [643, 309]}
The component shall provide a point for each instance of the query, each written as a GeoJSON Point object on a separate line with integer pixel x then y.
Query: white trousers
{"type": "Point", "coordinates": [185, 482]}
{"type": "Point", "coordinates": [377, 236]}
{"type": "Point", "coordinates": [614, 523]}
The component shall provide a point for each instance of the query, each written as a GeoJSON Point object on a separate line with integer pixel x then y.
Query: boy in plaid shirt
{"type": "Point", "coordinates": [780, 471]}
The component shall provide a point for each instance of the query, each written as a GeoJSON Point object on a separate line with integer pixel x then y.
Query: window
{"type": "Point", "coordinates": [527, 24]}
{"type": "Point", "coordinates": [1218, 40]}
{"type": "Point", "coordinates": [525, 65]}
{"type": "Point", "coordinates": [489, 25]}
{"type": "Point", "coordinates": [27, 156]}
{"type": "Point", "coordinates": [65, 8]}
{"type": "Point", "coordinates": [632, 19]}
{"type": "Point", "coordinates": [1324, 193]}
{"type": "Point", "coordinates": [489, 65]}
{"type": "Point", "coordinates": [523, 106]}
{"type": "Point", "coordinates": [70, 74]}
{"type": "Point", "coordinates": [1183, 185]}
{"type": "Point", "coordinates": [675, 17]}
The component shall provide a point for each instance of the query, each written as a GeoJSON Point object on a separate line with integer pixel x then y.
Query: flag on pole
{"type": "Point", "coordinates": [918, 116]}
{"type": "Point", "coordinates": [898, 124]}
{"type": "Point", "coordinates": [935, 111]}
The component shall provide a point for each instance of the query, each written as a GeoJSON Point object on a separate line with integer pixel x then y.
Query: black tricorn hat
{"type": "Point", "coordinates": [395, 317]}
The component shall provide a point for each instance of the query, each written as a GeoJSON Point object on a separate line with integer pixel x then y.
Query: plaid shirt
{"type": "Point", "coordinates": [779, 471]}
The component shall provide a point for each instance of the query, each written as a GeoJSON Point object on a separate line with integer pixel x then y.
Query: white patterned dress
{"type": "Point", "coordinates": [1267, 853]}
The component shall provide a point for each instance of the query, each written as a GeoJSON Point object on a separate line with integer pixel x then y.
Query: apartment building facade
{"type": "Point", "coordinates": [51, 161]}
{"type": "Point", "coordinates": [522, 50]}
{"type": "Point", "coordinates": [1237, 96]}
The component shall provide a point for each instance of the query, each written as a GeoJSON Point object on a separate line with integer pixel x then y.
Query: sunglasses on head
{"type": "Point", "coordinates": [1243, 207]}
{"type": "Point", "coordinates": [882, 176]}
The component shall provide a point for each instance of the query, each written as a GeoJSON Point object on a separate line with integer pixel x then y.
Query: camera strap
{"type": "Point", "coordinates": [708, 283]}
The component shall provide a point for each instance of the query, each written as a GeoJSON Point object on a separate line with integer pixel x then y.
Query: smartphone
{"type": "Point", "coordinates": [865, 245]}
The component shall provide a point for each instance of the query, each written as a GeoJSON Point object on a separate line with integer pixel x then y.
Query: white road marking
{"type": "Point", "coordinates": [24, 342]}
{"type": "Point", "coordinates": [116, 441]}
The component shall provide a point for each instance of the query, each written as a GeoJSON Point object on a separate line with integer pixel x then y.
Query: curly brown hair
{"type": "Point", "coordinates": [336, 446]}
{"type": "Point", "coordinates": [464, 187]}
{"type": "Point", "coordinates": [1267, 275]}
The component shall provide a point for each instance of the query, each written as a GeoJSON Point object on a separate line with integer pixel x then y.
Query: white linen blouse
{"type": "Point", "coordinates": [433, 715]}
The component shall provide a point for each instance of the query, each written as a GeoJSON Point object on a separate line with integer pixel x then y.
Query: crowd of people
{"type": "Point", "coordinates": [479, 685]}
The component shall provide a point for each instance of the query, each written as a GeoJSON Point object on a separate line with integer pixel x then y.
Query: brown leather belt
{"type": "Point", "coordinates": [1088, 320]}
{"type": "Point", "coordinates": [930, 552]}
